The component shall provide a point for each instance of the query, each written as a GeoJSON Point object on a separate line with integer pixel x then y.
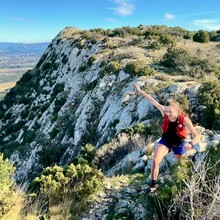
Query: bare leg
{"type": "Point", "coordinates": [178, 157]}
{"type": "Point", "coordinates": [159, 154]}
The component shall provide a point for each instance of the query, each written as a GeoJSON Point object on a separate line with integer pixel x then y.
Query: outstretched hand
{"type": "Point", "coordinates": [137, 87]}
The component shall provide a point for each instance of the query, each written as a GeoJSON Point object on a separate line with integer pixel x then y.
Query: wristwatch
{"type": "Point", "coordinates": [190, 142]}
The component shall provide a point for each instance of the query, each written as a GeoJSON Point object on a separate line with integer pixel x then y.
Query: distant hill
{"type": "Point", "coordinates": [38, 48]}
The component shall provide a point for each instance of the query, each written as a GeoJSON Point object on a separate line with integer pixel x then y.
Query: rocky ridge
{"type": "Point", "coordinates": [74, 96]}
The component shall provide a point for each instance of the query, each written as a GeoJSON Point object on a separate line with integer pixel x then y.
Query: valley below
{"type": "Point", "coordinates": [15, 60]}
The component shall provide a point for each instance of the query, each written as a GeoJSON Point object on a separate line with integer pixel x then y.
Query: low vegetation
{"type": "Point", "coordinates": [208, 97]}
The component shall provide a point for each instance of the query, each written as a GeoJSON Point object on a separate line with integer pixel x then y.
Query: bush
{"type": "Point", "coordinates": [59, 102]}
{"type": "Point", "coordinates": [180, 60]}
{"type": "Point", "coordinates": [58, 88]}
{"type": "Point", "coordinates": [54, 133]}
{"type": "Point", "coordinates": [167, 40]}
{"type": "Point", "coordinates": [187, 35]}
{"type": "Point", "coordinates": [215, 38]}
{"type": "Point", "coordinates": [199, 199]}
{"type": "Point", "coordinates": [201, 37]}
{"type": "Point", "coordinates": [6, 185]}
{"type": "Point", "coordinates": [75, 181]}
{"type": "Point", "coordinates": [175, 58]}
{"type": "Point", "coordinates": [91, 60]}
{"type": "Point", "coordinates": [125, 32]}
{"type": "Point", "coordinates": [82, 67]}
{"type": "Point", "coordinates": [51, 153]}
{"type": "Point", "coordinates": [156, 45]}
{"type": "Point", "coordinates": [88, 152]}
{"type": "Point", "coordinates": [209, 97]}
{"type": "Point", "coordinates": [151, 129]}
{"type": "Point", "coordinates": [112, 68]}
{"type": "Point", "coordinates": [137, 68]}
{"type": "Point", "coordinates": [172, 186]}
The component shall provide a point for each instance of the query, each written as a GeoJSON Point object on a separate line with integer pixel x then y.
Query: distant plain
{"type": "Point", "coordinates": [15, 60]}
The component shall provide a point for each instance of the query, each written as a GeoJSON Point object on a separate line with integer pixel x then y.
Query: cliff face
{"type": "Point", "coordinates": [77, 94]}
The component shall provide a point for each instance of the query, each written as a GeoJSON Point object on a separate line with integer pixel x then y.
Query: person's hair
{"type": "Point", "coordinates": [174, 103]}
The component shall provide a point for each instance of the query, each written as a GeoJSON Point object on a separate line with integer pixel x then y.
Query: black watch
{"type": "Point", "coordinates": [190, 142]}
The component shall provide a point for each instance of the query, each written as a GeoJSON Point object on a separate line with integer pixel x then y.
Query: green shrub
{"type": "Point", "coordinates": [156, 45]}
{"type": "Point", "coordinates": [91, 85]}
{"type": "Point", "coordinates": [11, 128]}
{"type": "Point", "coordinates": [139, 128]}
{"type": "Point", "coordinates": [88, 152]}
{"type": "Point", "coordinates": [59, 102]}
{"type": "Point", "coordinates": [6, 185]}
{"type": "Point", "coordinates": [100, 31]}
{"type": "Point", "coordinates": [201, 67]}
{"type": "Point", "coordinates": [209, 97]}
{"type": "Point", "coordinates": [58, 88]}
{"type": "Point", "coordinates": [54, 133]}
{"type": "Point", "coordinates": [215, 38]}
{"type": "Point", "coordinates": [82, 67]}
{"type": "Point", "coordinates": [175, 58]}
{"type": "Point", "coordinates": [153, 32]}
{"type": "Point", "coordinates": [44, 107]}
{"type": "Point", "coordinates": [91, 60]}
{"type": "Point", "coordinates": [119, 32]}
{"type": "Point", "coordinates": [64, 59]}
{"type": "Point", "coordinates": [24, 113]}
{"type": "Point", "coordinates": [17, 94]}
{"type": "Point", "coordinates": [201, 36]}
{"type": "Point", "coordinates": [144, 130]}
{"type": "Point", "coordinates": [188, 35]}
{"type": "Point", "coordinates": [181, 61]}
{"type": "Point", "coordinates": [9, 148]}
{"type": "Point", "coordinates": [75, 181]}
{"type": "Point", "coordinates": [51, 153]}
{"type": "Point", "coordinates": [167, 40]}
{"type": "Point", "coordinates": [111, 68]}
{"type": "Point", "coordinates": [138, 68]}
{"type": "Point", "coordinates": [29, 136]}
{"type": "Point", "coordinates": [213, 156]}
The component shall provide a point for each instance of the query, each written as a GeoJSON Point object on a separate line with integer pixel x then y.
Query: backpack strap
{"type": "Point", "coordinates": [165, 123]}
{"type": "Point", "coordinates": [181, 119]}
{"type": "Point", "coordinates": [181, 129]}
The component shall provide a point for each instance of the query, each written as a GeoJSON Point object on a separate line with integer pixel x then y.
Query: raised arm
{"type": "Point", "coordinates": [150, 99]}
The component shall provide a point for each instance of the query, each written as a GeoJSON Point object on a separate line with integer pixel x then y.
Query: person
{"type": "Point", "coordinates": [176, 125]}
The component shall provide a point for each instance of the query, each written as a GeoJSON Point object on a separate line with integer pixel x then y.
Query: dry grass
{"type": "Point", "coordinates": [15, 211]}
{"type": "Point", "coordinates": [61, 211]}
{"type": "Point", "coordinates": [208, 51]}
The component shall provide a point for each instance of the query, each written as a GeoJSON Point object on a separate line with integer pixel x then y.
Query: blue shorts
{"type": "Point", "coordinates": [179, 150]}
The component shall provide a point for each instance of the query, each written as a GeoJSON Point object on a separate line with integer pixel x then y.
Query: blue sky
{"type": "Point", "coordinates": [32, 21]}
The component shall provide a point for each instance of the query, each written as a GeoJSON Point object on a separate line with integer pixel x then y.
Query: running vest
{"type": "Point", "coordinates": [180, 129]}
